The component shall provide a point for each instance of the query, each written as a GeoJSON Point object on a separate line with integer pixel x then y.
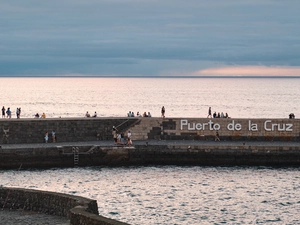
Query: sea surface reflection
{"type": "Point", "coordinates": [177, 195]}
{"type": "Point", "coordinates": [182, 97]}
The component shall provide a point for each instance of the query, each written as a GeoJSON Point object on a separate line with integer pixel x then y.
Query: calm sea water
{"type": "Point", "coordinates": [182, 97]}
{"type": "Point", "coordinates": [177, 195]}
{"type": "Point", "coordinates": [165, 195]}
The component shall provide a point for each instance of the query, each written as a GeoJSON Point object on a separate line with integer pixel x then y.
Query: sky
{"type": "Point", "coordinates": [150, 38]}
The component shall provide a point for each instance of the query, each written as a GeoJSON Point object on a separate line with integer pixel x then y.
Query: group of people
{"type": "Point", "coordinates": [89, 115]}
{"type": "Point", "coordinates": [37, 115]}
{"type": "Point", "coordinates": [215, 115]}
{"type": "Point", "coordinates": [131, 114]}
{"type": "Point", "coordinates": [53, 134]}
{"type": "Point", "coordinates": [6, 113]}
{"type": "Point", "coordinates": [292, 116]}
{"type": "Point", "coordinates": [119, 138]}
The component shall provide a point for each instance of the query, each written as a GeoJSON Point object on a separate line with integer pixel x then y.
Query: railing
{"type": "Point", "coordinates": [106, 134]}
{"type": "Point", "coordinates": [124, 126]}
{"type": "Point", "coordinates": [120, 125]}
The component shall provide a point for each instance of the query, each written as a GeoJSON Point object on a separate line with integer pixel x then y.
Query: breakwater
{"type": "Point", "coordinates": [79, 210]}
{"type": "Point", "coordinates": [152, 153]}
{"type": "Point", "coordinates": [22, 131]}
{"type": "Point", "coordinates": [175, 141]}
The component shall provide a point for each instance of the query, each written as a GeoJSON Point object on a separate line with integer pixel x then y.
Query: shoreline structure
{"type": "Point", "coordinates": [156, 141]}
{"type": "Point", "coordinates": [164, 141]}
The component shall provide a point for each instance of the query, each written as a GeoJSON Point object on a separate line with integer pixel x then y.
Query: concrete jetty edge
{"type": "Point", "coordinates": [79, 210]}
{"type": "Point", "coordinates": [150, 152]}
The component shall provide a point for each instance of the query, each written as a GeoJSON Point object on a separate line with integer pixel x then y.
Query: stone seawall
{"type": "Point", "coordinates": [14, 131]}
{"type": "Point", "coordinates": [231, 129]}
{"type": "Point", "coordinates": [218, 155]}
{"type": "Point", "coordinates": [79, 210]}
{"type": "Point", "coordinates": [174, 141]}
{"type": "Point", "coordinates": [200, 153]}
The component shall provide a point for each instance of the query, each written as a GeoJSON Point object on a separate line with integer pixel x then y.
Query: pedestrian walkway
{"type": "Point", "coordinates": [152, 142]}
{"type": "Point", "coordinates": [20, 217]}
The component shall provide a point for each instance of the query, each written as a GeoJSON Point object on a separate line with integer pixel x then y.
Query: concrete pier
{"type": "Point", "coordinates": [150, 152]}
{"type": "Point", "coordinates": [163, 141]}
{"type": "Point", "coordinates": [24, 131]}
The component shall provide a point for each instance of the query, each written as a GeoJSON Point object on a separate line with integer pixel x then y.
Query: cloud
{"type": "Point", "coordinates": [139, 37]}
{"type": "Point", "coordinates": [250, 71]}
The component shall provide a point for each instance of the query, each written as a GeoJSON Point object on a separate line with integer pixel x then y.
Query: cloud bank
{"type": "Point", "coordinates": [148, 38]}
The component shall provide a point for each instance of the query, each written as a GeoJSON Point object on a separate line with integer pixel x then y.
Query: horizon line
{"type": "Point", "coordinates": [140, 76]}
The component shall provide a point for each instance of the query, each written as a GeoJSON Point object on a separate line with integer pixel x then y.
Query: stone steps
{"type": "Point", "coordinates": [141, 129]}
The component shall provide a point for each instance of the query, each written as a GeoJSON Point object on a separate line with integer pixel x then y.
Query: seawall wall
{"type": "Point", "coordinates": [14, 131]}
{"type": "Point", "coordinates": [176, 141]}
{"type": "Point", "coordinates": [232, 129]}
{"type": "Point", "coordinates": [197, 153]}
{"type": "Point", "coordinates": [79, 210]}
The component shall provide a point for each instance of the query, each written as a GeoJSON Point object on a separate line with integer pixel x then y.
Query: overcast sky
{"type": "Point", "coordinates": [149, 37]}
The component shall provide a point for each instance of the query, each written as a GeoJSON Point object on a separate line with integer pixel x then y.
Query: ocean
{"type": "Point", "coordinates": [172, 195]}
{"type": "Point", "coordinates": [165, 195]}
{"type": "Point", "coordinates": [182, 97]}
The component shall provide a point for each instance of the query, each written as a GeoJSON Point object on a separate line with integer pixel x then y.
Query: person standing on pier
{"type": "Point", "coordinates": [46, 137]}
{"type": "Point", "coordinates": [209, 112]}
{"type": "Point", "coordinates": [114, 133]}
{"type": "Point", "coordinates": [18, 112]}
{"type": "Point", "coordinates": [163, 110]}
{"type": "Point", "coordinates": [3, 112]}
{"type": "Point", "coordinates": [8, 113]}
{"type": "Point", "coordinates": [129, 141]}
{"type": "Point", "coordinates": [53, 136]}
{"type": "Point", "coordinates": [217, 137]}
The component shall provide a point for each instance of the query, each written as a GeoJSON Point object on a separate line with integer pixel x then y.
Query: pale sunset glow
{"type": "Point", "coordinates": [250, 71]}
